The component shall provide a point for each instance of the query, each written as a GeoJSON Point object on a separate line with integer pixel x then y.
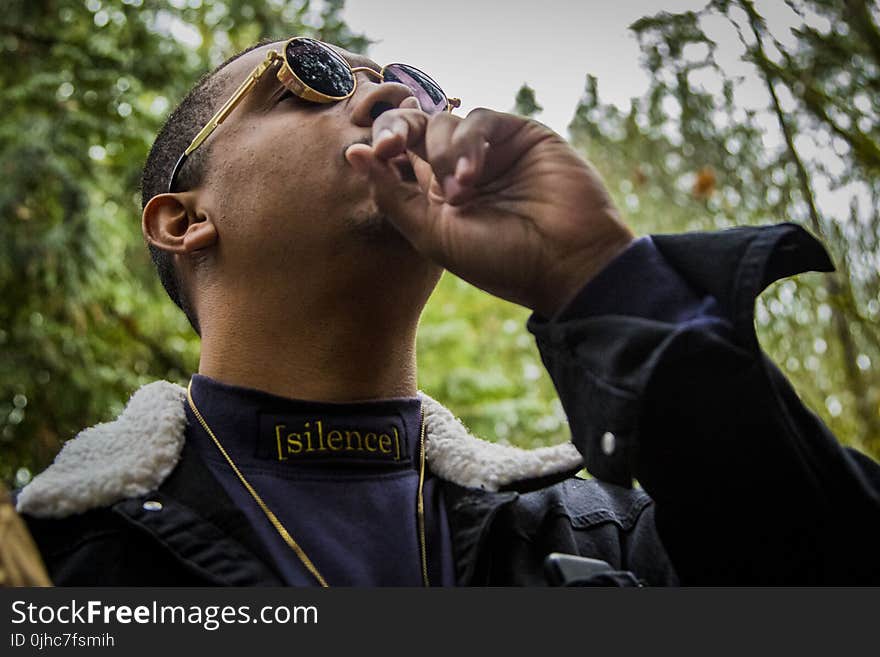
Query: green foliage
{"type": "Point", "coordinates": [525, 103]}
{"type": "Point", "coordinates": [86, 86]}
{"type": "Point", "coordinates": [475, 355]}
{"type": "Point", "coordinates": [84, 321]}
{"type": "Point", "coordinates": [693, 154]}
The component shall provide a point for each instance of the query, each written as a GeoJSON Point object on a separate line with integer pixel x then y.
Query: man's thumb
{"type": "Point", "coordinates": [403, 202]}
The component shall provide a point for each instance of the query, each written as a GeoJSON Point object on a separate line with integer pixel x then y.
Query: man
{"type": "Point", "coordinates": [302, 232]}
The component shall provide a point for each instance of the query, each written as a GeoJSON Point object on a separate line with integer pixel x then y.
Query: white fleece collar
{"type": "Point", "coordinates": [133, 455]}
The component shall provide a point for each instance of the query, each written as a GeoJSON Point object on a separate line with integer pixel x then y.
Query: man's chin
{"type": "Point", "coordinates": [376, 229]}
{"type": "Point", "coordinates": [381, 243]}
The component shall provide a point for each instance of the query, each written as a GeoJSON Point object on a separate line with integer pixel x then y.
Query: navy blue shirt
{"type": "Point", "coordinates": [341, 478]}
{"type": "Point", "coordinates": [351, 505]}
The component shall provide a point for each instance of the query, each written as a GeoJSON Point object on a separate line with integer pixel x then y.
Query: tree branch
{"type": "Point", "coordinates": [839, 291]}
{"type": "Point", "coordinates": [859, 18]}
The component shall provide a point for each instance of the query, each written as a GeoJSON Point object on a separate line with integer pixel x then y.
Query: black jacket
{"type": "Point", "coordinates": [746, 484]}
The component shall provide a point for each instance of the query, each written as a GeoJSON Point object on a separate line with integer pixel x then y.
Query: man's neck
{"type": "Point", "coordinates": [324, 358]}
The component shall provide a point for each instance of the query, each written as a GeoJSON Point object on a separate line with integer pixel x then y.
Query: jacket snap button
{"type": "Point", "coordinates": [152, 505]}
{"type": "Point", "coordinates": [608, 443]}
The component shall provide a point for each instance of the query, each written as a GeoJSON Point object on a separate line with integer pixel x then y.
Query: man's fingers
{"type": "Point", "coordinates": [438, 140]}
{"type": "Point", "coordinates": [424, 172]}
{"type": "Point", "coordinates": [505, 136]}
{"type": "Point", "coordinates": [399, 130]}
{"type": "Point", "coordinates": [404, 203]}
{"type": "Point", "coordinates": [466, 153]}
{"type": "Point", "coordinates": [463, 154]}
{"type": "Point", "coordinates": [440, 148]}
{"type": "Point", "coordinates": [472, 137]}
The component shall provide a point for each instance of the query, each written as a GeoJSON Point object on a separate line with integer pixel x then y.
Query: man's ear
{"type": "Point", "coordinates": [171, 223]}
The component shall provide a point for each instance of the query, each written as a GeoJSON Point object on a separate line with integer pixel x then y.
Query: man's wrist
{"type": "Point", "coordinates": [579, 269]}
{"type": "Point", "coordinates": [638, 282]}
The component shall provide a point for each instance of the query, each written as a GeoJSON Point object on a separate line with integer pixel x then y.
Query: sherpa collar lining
{"type": "Point", "coordinates": [133, 455]}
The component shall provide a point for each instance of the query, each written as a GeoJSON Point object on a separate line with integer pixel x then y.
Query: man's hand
{"type": "Point", "coordinates": [501, 201]}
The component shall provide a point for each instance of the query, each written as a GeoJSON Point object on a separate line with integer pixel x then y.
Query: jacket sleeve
{"type": "Point", "coordinates": [749, 485]}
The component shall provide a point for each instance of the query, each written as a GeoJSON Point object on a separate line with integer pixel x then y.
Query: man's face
{"type": "Point", "coordinates": [277, 182]}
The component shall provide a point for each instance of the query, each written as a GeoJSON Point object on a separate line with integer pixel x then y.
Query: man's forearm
{"type": "Point", "coordinates": [750, 486]}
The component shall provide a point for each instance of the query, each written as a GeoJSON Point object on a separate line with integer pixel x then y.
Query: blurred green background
{"type": "Point", "coordinates": [86, 85]}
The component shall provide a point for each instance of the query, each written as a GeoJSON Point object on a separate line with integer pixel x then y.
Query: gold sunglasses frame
{"type": "Point", "coordinates": [294, 83]}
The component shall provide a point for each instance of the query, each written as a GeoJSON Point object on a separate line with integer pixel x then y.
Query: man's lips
{"type": "Point", "coordinates": [404, 167]}
{"type": "Point", "coordinates": [400, 162]}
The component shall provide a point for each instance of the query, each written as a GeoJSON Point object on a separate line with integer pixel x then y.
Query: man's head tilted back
{"type": "Point", "coordinates": [268, 222]}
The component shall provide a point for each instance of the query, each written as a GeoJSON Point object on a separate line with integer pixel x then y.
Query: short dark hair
{"type": "Point", "coordinates": [182, 125]}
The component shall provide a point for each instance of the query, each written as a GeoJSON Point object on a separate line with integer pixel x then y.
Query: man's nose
{"type": "Point", "coordinates": [374, 97]}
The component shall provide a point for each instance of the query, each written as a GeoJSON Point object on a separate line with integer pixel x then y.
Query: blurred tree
{"type": "Point", "coordinates": [525, 103]}
{"type": "Point", "coordinates": [83, 320]}
{"type": "Point", "coordinates": [755, 118]}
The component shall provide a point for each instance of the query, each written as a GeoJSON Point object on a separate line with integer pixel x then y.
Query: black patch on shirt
{"type": "Point", "coordinates": [365, 439]}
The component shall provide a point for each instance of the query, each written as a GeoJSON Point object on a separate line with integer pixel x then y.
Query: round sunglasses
{"type": "Point", "coordinates": [315, 72]}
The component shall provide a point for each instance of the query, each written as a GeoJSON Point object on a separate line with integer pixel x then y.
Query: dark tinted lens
{"type": "Point", "coordinates": [319, 67]}
{"type": "Point", "coordinates": [429, 94]}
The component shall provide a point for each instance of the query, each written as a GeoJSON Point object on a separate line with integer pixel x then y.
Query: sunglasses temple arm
{"type": "Point", "coordinates": [223, 112]}
{"type": "Point", "coordinates": [175, 172]}
{"type": "Point", "coordinates": [231, 104]}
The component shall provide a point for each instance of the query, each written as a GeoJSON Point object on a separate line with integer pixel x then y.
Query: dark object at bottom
{"type": "Point", "coordinates": [569, 570]}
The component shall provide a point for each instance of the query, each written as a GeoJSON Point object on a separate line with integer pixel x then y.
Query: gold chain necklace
{"type": "Point", "coordinates": [282, 531]}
